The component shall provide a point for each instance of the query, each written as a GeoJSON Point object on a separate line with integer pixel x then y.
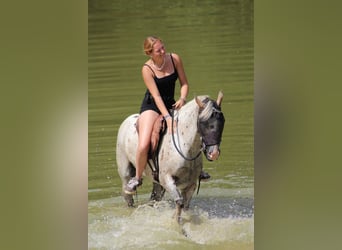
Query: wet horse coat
{"type": "Point", "coordinates": [199, 123]}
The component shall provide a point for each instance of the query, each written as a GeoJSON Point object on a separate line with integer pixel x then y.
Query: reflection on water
{"type": "Point", "coordinates": [215, 40]}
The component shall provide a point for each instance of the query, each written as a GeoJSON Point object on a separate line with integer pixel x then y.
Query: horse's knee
{"type": "Point", "coordinates": [180, 202]}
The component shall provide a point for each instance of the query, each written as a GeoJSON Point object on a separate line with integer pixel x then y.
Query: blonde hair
{"type": "Point", "coordinates": [149, 42]}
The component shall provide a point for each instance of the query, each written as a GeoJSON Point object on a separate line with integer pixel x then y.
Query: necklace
{"type": "Point", "coordinates": [161, 66]}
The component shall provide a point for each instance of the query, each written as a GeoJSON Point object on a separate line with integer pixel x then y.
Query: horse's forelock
{"type": "Point", "coordinates": [207, 111]}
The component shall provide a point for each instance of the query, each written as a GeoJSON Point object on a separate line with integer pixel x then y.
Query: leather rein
{"type": "Point", "coordinates": [174, 141]}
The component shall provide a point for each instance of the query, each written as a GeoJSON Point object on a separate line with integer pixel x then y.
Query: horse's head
{"type": "Point", "coordinates": [210, 125]}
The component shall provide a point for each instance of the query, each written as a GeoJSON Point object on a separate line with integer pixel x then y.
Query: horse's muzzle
{"type": "Point", "coordinates": [213, 153]}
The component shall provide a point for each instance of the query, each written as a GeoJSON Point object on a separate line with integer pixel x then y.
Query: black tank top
{"type": "Point", "coordinates": [166, 86]}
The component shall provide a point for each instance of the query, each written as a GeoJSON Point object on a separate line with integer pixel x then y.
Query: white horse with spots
{"type": "Point", "coordinates": [199, 129]}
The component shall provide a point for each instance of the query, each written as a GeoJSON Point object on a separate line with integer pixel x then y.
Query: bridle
{"type": "Point", "coordinates": [206, 140]}
{"type": "Point", "coordinates": [211, 129]}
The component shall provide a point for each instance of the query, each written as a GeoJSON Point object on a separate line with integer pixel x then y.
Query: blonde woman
{"type": "Point", "coordinates": [159, 73]}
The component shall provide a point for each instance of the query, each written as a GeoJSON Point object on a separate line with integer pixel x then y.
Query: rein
{"type": "Point", "coordinates": [174, 141]}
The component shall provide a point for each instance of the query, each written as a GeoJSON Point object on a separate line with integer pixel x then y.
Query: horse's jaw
{"type": "Point", "coordinates": [212, 153]}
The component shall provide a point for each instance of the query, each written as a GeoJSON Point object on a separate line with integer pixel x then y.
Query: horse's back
{"type": "Point", "coordinates": [128, 125]}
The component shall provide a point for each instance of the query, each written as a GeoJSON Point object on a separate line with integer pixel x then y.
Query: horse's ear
{"type": "Point", "coordinates": [199, 103]}
{"type": "Point", "coordinates": [219, 98]}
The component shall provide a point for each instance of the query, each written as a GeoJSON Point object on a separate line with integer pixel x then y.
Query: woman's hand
{"type": "Point", "coordinates": [168, 120]}
{"type": "Point", "coordinates": [180, 103]}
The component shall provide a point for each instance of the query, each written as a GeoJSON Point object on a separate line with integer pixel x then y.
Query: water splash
{"type": "Point", "coordinates": [153, 226]}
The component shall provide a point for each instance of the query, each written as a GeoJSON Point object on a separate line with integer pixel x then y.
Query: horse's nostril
{"type": "Point", "coordinates": [213, 153]}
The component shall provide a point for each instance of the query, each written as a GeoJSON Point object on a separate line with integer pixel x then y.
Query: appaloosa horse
{"type": "Point", "coordinates": [198, 127]}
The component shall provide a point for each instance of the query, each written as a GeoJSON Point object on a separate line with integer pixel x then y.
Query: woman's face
{"type": "Point", "coordinates": [158, 50]}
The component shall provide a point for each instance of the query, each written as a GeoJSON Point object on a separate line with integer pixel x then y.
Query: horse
{"type": "Point", "coordinates": [197, 127]}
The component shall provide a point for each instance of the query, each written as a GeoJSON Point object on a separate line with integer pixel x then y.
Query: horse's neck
{"type": "Point", "coordinates": [187, 120]}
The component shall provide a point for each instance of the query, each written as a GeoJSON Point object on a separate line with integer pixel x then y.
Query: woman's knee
{"type": "Point", "coordinates": [143, 147]}
{"type": "Point", "coordinates": [142, 152]}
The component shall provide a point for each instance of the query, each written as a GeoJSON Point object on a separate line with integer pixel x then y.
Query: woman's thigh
{"type": "Point", "coordinates": [146, 121]}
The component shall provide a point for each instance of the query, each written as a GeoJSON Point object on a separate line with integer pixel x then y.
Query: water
{"type": "Point", "coordinates": [213, 223]}
{"type": "Point", "coordinates": [215, 41]}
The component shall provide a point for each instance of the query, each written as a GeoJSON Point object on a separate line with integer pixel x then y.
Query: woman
{"type": "Point", "coordinates": [159, 73]}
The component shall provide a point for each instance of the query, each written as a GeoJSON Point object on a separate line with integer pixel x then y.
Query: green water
{"type": "Point", "coordinates": [215, 41]}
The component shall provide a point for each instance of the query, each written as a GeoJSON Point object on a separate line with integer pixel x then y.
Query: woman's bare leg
{"type": "Point", "coordinates": [146, 121]}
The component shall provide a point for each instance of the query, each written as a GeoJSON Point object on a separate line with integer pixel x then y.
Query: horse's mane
{"type": "Point", "coordinates": [209, 107]}
{"type": "Point", "coordinates": [206, 113]}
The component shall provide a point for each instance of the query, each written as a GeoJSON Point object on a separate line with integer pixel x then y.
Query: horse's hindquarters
{"type": "Point", "coordinates": [127, 141]}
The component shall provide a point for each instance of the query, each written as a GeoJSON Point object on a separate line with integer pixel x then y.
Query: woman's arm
{"type": "Point", "coordinates": [184, 89]}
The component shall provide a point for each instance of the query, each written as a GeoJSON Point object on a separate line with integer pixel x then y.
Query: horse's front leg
{"type": "Point", "coordinates": [169, 184]}
{"type": "Point", "coordinates": [178, 212]}
{"type": "Point", "coordinates": [187, 195]}
{"type": "Point", "coordinates": [157, 192]}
